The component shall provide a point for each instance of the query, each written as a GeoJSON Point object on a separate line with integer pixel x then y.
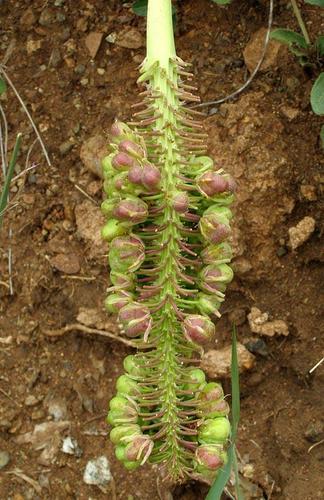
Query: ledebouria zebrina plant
{"type": "Point", "coordinates": [168, 223]}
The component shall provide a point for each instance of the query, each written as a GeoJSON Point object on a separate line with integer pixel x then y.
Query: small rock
{"type": "Point", "coordinates": [259, 323]}
{"type": "Point", "coordinates": [33, 45]}
{"type": "Point", "coordinates": [92, 42]}
{"type": "Point", "coordinates": [80, 69]}
{"type": "Point", "coordinates": [257, 346]}
{"type": "Point", "coordinates": [89, 221]}
{"type": "Point", "coordinates": [241, 266]}
{"type": "Point", "coordinates": [101, 71]}
{"type": "Point", "coordinates": [217, 363]}
{"type": "Point", "coordinates": [111, 38]}
{"type": "Point", "coordinates": [28, 19]}
{"type": "Point", "coordinates": [315, 432]}
{"type": "Point", "coordinates": [94, 317]}
{"type": "Point", "coordinates": [57, 408]}
{"type": "Point", "coordinates": [302, 232]}
{"type": "Point", "coordinates": [289, 112]}
{"type": "Point", "coordinates": [66, 263]}
{"type": "Point", "coordinates": [82, 24]}
{"type": "Point", "coordinates": [55, 58]}
{"type": "Point", "coordinates": [70, 447]}
{"type": "Point", "coordinates": [130, 38]}
{"type": "Point", "coordinates": [65, 147]}
{"type": "Point", "coordinates": [92, 152]}
{"type": "Point", "coordinates": [97, 472]}
{"type": "Point", "coordinates": [253, 50]}
{"type": "Point", "coordinates": [308, 192]}
{"type": "Point", "coordinates": [4, 459]}
{"type": "Point", "coordinates": [31, 400]}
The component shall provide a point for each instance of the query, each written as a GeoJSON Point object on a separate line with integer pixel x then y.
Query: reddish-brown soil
{"type": "Point", "coordinates": [272, 153]}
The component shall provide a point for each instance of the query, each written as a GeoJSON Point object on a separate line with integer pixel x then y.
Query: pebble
{"type": "Point", "coordinates": [47, 18]}
{"type": "Point", "coordinates": [93, 42]}
{"type": "Point", "coordinates": [55, 58]}
{"type": "Point", "coordinates": [79, 69]}
{"type": "Point", "coordinates": [89, 221]}
{"type": "Point", "coordinates": [315, 431]}
{"type": "Point", "coordinates": [289, 112]}
{"type": "Point", "coordinates": [70, 447]}
{"type": "Point", "coordinates": [97, 471]}
{"type": "Point", "coordinates": [130, 38]}
{"type": "Point", "coordinates": [259, 323]}
{"type": "Point", "coordinates": [111, 38]}
{"type": "Point", "coordinates": [65, 147]}
{"type": "Point", "coordinates": [4, 459]}
{"type": "Point", "coordinates": [257, 346]}
{"type": "Point", "coordinates": [57, 408]}
{"type": "Point", "coordinates": [33, 45]}
{"type": "Point", "coordinates": [92, 152]}
{"type": "Point", "coordinates": [308, 192]}
{"type": "Point", "coordinates": [31, 400]}
{"type": "Point", "coordinates": [301, 232]}
{"type": "Point", "coordinates": [217, 363]}
{"type": "Point", "coordinates": [253, 50]}
{"type": "Point", "coordinates": [66, 263]}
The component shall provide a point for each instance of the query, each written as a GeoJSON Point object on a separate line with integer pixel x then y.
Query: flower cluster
{"type": "Point", "coordinates": [168, 228]}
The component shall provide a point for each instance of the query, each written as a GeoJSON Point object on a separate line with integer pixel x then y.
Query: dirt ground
{"type": "Point", "coordinates": [268, 140]}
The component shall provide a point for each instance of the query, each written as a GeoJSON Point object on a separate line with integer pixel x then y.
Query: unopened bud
{"type": "Point", "coordinates": [213, 278]}
{"type": "Point", "coordinates": [122, 161]}
{"type": "Point", "coordinates": [119, 129]}
{"type": "Point", "coordinates": [107, 207]}
{"type": "Point", "coordinates": [198, 329]}
{"type": "Point", "coordinates": [122, 281]}
{"type": "Point", "coordinates": [151, 176]}
{"type": "Point", "coordinates": [135, 320]}
{"type": "Point", "coordinates": [124, 433]}
{"type": "Point", "coordinates": [197, 378]}
{"type": "Point", "coordinates": [219, 210]}
{"type": "Point", "coordinates": [210, 183]}
{"type": "Point", "coordinates": [115, 301]}
{"type": "Point", "coordinates": [135, 174]}
{"type": "Point", "coordinates": [214, 228]}
{"type": "Point", "coordinates": [211, 456]}
{"type": "Point", "coordinates": [132, 148]}
{"type": "Point", "coordinates": [131, 209]}
{"type": "Point", "coordinates": [126, 385]}
{"type": "Point", "coordinates": [114, 228]}
{"type": "Point", "coordinates": [217, 254]}
{"type": "Point", "coordinates": [214, 431]}
{"type": "Point", "coordinates": [126, 253]}
{"type": "Point", "coordinates": [139, 449]}
{"type": "Point", "coordinates": [124, 408]}
{"type": "Point", "coordinates": [208, 304]}
{"type": "Point", "coordinates": [211, 392]}
{"type": "Point", "coordinates": [214, 409]}
{"type": "Point", "coordinates": [180, 202]}
{"type": "Point", "coordinates": [131, 366]}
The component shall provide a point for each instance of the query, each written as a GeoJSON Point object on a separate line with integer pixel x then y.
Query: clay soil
{"type": "Point", "coordinates": [268, 140]}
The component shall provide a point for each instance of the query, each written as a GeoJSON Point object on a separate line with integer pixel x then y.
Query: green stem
{"type": "Point", "coordinates": [5, 190]}
{"type": "Point", "coordinates": [300, 21]}
{"type": "Point", "coordinates": [160, 40]}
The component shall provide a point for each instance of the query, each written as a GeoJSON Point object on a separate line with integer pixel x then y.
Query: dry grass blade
{"type": "Point", "coordinates": [24, 477]}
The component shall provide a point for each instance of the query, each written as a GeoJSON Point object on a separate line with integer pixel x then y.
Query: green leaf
{"type": "Point", "coordinates": [7, 180]}
{"type": "Point", "coordinates": [222, 2]}
{"type": "Point", "coordinates": [322, 136]}
{"type": "Point", "coordinates": [216, 491]}
{"type": "Point", "coordinates": [320, 45]}
{"type": "Point", "coordinates": [3, 86]}
{"type": "Point", "coordinates": [320, 3]}
{"type": "Point", "coordinates": [140, 7]}
{"type": "Point", "coordinates": [288, 37]}
{"type": "Point", "coordinates": [317, 95]}
{"type": "Point", "coordinates": [235, 387]}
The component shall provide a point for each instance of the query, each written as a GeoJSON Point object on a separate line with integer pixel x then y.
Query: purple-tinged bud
{"type": "Point", "coordinates": [114, 228]}
{"type": "Point", "coordinates": [120, 182]}
{"type": "Point", "coordinates": [135, 174]}
{"type": "Point", "coordinates": [124, 433]}
{"type": "Point", "coordinates": [126, 385]}
{"type": "Point", "coordinates": [211, 456]}
{"type": "Point", "coordinates": [217, 254]}
{"type": "Point", "coordinates": [151, 176]}
{"type": "Point", "coordinates": [214, 228]}
{"type": "Point", "coordinates": [126, 253]}
{"type": "Point", "coordinates": [115, 301]}
{"type": "Point", "coordinates": [213, 278]}
{"type": "Point", "coordinates": [198, 329]}
{"type": "Point", "coordinates": [139, 449]}
{"type": "Point", "coordinates": [180, 202]}
{"type": "Point", "coordinates": [211, 183]}
{"type": "Point", "coordinates": [119, 129]}
{"type": "Point", "coordinates": [216, 409]}
{"type": "Point", "coordinates": [122, 161]}
{"type": "Point", "coordinates": [135, 320]}
{"type": "Point", "coordinates": [211, 392]}
{"type": "Point", "coordinates": [214, 431]}
{"type": "Point", "coordinates": [122, 281]}
{"type": "Point", "coordinates": [208, 304]}
{"type": "Point", "coordinates": [131, 209]}
{"type": "Point", "coordinates": [133, 149]}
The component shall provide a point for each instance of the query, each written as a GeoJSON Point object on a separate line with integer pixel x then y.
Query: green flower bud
{"type": "Point", "coordinates": [114, 228]}
{"type": "Point", "coordinates": [211, 456]}
{"type": "Point", "coordinates": [126, 385]}
{"type": "Point", "coordinates": [217, 254]}
{"type": "Point", "coordinates": [221, 211]}
{"type": "Point", "coordinates": [198, 378]}
{"type": "Point", "coordinates": [198, 329]}
{"type": "Point", "coordinates": [132, 210]}
{"type": "Point", "coordinates": [116, 301]}
{"type": "Point", "coordinates": [122, 281]}
{"type": "Point", "coordinates": [212, 391]}
{"type": "Point", "coordinates": [118, 417]}
{"type": "Point", "coordinates": [214, 228]}
{"type": "Point", "coordinates": [208, 304]}
{"type": "Point", "coordinates": [120, 452]}
{"type": "Point", "coordinates": [131, 366]}
{"type": "Point", "coordinates": [214, 431]}
{"type": "Point", "coordinates": [202, 164]}
{"type": "Point", "coordinates": [123, 433]}
{"type": "Point", "coordinates": [126, 253]}
{"type": "Point", "coordinates": [107, 207]}
{"type": "Point", "coordinates": [213, 278]}
{"type": "Point", "coordinates": [215, 409]}
{"type": "Point", "coordinates": [121, 410]}
{"type": "Point", "coordinates": [119, 131]}
{"type": "Point", "coordinates": [139, 448]}
{"type": "Point", "coordinates": [131, 465]}
{"type": "Point", "coordinates": [107, 168]}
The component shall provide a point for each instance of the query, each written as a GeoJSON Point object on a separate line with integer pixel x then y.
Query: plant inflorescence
{"type": "Point", "coordinates": [168, 225]}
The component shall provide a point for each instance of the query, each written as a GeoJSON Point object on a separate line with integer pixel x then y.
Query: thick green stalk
{"type": "Point", "coordinates": [159, 34]}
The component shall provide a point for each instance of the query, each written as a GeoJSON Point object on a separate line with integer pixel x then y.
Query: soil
{"type": "Point", "coordinates": [267, 138]}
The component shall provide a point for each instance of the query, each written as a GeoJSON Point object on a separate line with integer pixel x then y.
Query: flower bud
{"type": "Point", "coordinates": [122, 281]}
{"type": "Point", "coordinates": [121, 406]}
{"type": "Point", "coordinates": [198, 329]}
{"type": "Point", "coordinates": [107, 207]}
{"type": "Point", "coordinates": [198, 380]}
{"type": "Point", "coordinates": [122, 161]}
{"type": "Point", "coordinates": [151, 176]}
{"type": "Point", "coordinates": [217, 254]}
{"type": "Point", "coordinates": [115, 301]}
{"type": "Point", "coordinates": [131, 366]}
{"type": "Point", "coordinates": [126, 254]}
{"type": "Point", "coordinates": [135, 174]}
{"type": "Point", "coordinates": [131, 465]}
{"type": "Point", "coordinates": [180, 202]}
{"type": "Point", "coordinates": [208, 304]}
{"type": "Point", "coordinates": [202, 164]}
{"type": "Point", "coordinates": [211, 456]}
{"type": "Point", "coordinates": [219, 210]}
{"type": "Point", "coordinates": [131, 148]}
{"type": "Point", "coordinates": [126, 385]}
{"type": "Point", "coordinates": [215, 409]}
{"type": "Point", "coordinates": [132, 210]}
{"type": "Point", "coordinates": [214, 228]}
{"type": "Point", "coordinates": [135, 320]}
{"type": "Point", "coordinates": [124, 433]}
{"type": "Point", "coordinates": [119, 129]}
{"type": "Point", "coordinates": [107, 166]}
{"type": "Point", "coordinates": [214, 431]}
{"type": "Point", "coordinates": [213, 278]}
{"type": "Point", "coordinates": [118, 417]}
{"type": "Point", "coordinates": [211, 392]}
{"type": "Point", "coordinates": [139, 448]}
{"type": "Point", "coordinates": [210, 183]}
{"type": "Point", "coordinates": [114, 228]}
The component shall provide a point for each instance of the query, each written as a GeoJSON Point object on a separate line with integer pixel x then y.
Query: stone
{"type": "Point", "coordinates": [66, 263]}
{"type": "Point", "coordinates": [31, 400]}
{"type": "Point", "coordinates": [257, 346]}
{"type": "Point", "coordinates": [308, 192]}
{"type": "Point", "coordinates": [57, 408]}
{"type": "Point", "coordinates": [70, 447]}
{"type": "Point", "coordinates": [89, 221]}
{"type": "Point", "coordinates": [33, 45]}
{"type": "Point", "coordinates": [4, 459]}
{"type": "Point", "coordinates": [253, 50]}
{"type": "Point", "coordinates": [97, 471]}
{"type": "Point", "coordinates": [301, 232]}
{"type": "Point", "coordinates": [315, 432]}
{"type": "Point", "coordinates": [92, 152]}
{"type": "Point", "coordinates": [217, 363]}
{"type": "Point", "coordinates": [93, 42]}
{"type": "Point", "coordinates": [65, 147]}
{"type": "Point", "coordinates": [129, 38]}
{"type": "Point", "coordinates": [260, 324]}
{"type": "Point", "coordinates": [55, 58]}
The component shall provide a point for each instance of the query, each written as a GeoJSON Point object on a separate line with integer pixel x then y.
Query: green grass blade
{"type": "Point", "coordinates": [239, 494]}
{"type": "Point", "coordinates": [9, 176]}
{"type": "Point", "coordinates": [216, 490]}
